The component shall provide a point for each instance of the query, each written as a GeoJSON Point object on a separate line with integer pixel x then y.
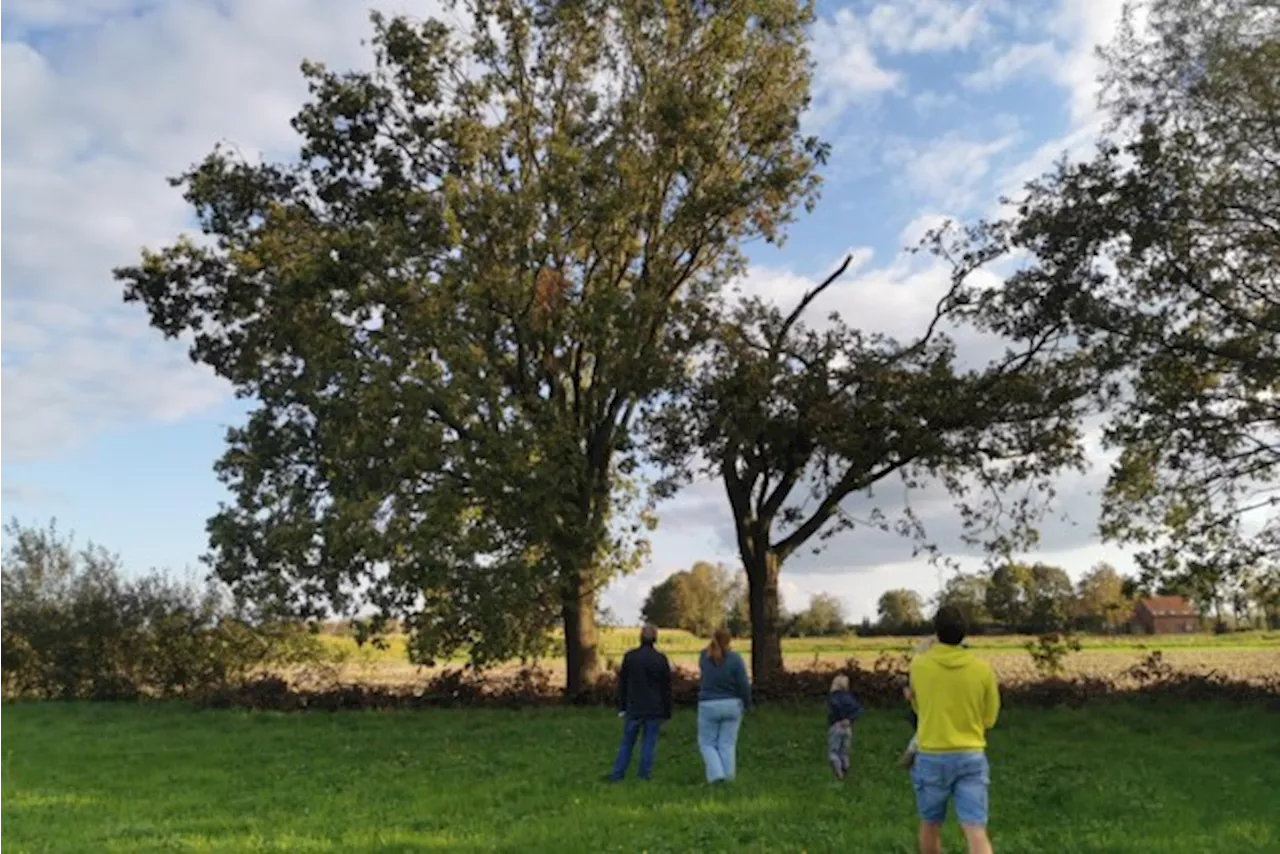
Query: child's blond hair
{"type": "Point", "coordinates": [840, 683]}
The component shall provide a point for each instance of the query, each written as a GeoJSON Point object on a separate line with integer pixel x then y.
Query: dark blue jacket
{"type": "Point", "coordinates": [644, 684]}
{"type": "Point", "coordinates": [842, 706]}
{"type": "Point", "coordinates": [724, 681]}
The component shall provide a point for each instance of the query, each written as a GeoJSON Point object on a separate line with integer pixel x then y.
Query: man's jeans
{"type": "Point", "coordinates": [959, 778]}
{"type": "Point", "coordinates": [648, 746]}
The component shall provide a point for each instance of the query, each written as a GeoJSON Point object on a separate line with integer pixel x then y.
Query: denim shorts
{"type": "Point", "coordinates": [962, 778]}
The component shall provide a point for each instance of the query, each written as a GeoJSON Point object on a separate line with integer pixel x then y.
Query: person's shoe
{"type": "Point", "coordinates": [609, 778]}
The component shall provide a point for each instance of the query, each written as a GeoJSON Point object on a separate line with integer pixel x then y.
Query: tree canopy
{"type": "Point", "coordinates": [823, 617]}
{"type": "Point", "coordinates": [968, 592]}
{"type": "Point", "coordinates": [1161, 254]}
{"type": "Point", "coordinates": [900, 610]}
{"type": "Point", "coordinates": [796, 419]}
{"type": "Point", "coordinates": [1030, 597]}
{"type": "Point", "coordinates": [1101, 603]}
{"type": "Point", "coordinates": [696, 600]}
{"type": "Point", "coordinates": [451, 309]}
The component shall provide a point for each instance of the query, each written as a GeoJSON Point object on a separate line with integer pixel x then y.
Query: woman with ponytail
{"type": "Point", "coordinates": [723, 697]}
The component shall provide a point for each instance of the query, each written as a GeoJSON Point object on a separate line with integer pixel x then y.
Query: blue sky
{"type": "Point", "coordinates": [934, 108]}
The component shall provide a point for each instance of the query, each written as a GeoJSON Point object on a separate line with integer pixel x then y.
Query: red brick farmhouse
{"type": "Point", "coordinates": [1165, 615]}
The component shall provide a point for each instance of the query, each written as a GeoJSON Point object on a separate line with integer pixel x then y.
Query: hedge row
{"type": "Point", "coordinates": [879, 686]}
{"type": "Point", "coordinates": [74, 626]}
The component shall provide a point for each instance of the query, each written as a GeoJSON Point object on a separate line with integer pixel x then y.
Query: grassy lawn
{"type": "Point", "coordinates": [1115, 778]}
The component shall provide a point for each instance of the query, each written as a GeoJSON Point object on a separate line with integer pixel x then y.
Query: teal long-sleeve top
{"type": "Point", "coordinates": [724, 681]}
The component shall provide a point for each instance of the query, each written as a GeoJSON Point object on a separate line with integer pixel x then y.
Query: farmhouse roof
{"type": "Point", "coordinates": [1169, 606]}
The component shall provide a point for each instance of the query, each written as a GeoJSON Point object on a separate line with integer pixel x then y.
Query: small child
{"type": "Point", "coordinates": [909, 755]}
{"type": "Point", "coordinates": [842, 710]}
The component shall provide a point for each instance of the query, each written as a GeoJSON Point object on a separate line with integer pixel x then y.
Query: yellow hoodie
{"type": "Point", "coordinates": [955, 696]}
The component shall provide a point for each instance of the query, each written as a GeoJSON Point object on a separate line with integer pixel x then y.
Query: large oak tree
{"type": "Point", "coordinates": [450, 311]}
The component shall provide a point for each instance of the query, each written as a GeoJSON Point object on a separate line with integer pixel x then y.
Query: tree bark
{"type": "Point", "coordinates": [582, 663]}
{"type": "Point", "coordinates": [762, 593]}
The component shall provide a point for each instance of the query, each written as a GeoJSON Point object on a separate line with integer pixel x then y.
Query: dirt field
{"type": "Point", "coordinates": [1249, 657]}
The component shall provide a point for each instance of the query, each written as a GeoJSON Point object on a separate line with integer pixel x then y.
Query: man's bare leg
{"type": "Point", "coordinates": [976, 836]}
{"type": "Point", "coordinates": [930, 838]}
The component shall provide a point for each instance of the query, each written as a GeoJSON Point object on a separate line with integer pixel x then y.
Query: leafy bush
{"type": "Point", "coordinates": [76, 627]}
{"type": "Point", "coordinates": [1050, 651]}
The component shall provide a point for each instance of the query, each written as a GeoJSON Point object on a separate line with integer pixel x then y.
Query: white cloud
{"type": "Point", "coordinates": [920, 226]}
{"type": "Point", "coordinates": [951, 170]}
{"type": "Point", "coordinates": [847, 72]}
{"type": "Point", "coordinates": [104, 99]}
{"type": "Point", "coordinates": [53, 14]}
{"type": "Point", "coordinates": [845, 45]}
{"type": "Point", "coordinates": [926, 26]}
{"type": "Point", "coordinates": [929, 102]}
{"type": "Point", "coordinates": [1083, 27]}
{"type": "Point", "coordinates": [1011, 62]}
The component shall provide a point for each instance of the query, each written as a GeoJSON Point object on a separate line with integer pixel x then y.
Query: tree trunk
{"type": "Point", "coordinates": [582, 663]}
{"type": "Point", "coordinates": [766, 635]}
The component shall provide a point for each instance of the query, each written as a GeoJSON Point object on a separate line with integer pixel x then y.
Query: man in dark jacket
{"type": "Point", "coordinates": [644, 702]}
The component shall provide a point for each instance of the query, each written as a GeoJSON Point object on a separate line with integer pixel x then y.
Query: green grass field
{"type": "Point", "coordinates": [1113, 778]}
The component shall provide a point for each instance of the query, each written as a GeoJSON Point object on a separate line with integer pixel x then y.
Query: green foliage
{"type": "Point", "coordinates": [823, 618]}
{"type": "Point", "coordinates": [900, 610]}
{"type": "Point", "coordinates": [1266, 595]}
{"type": "Point", "coordinates": [1101, 603]}
{"type": "Point", "coordinates": [76, 627]}
{"type": "Point", "coordinates": [1161, 254]}
{"type": "Point", "coordinates": [491, 253]}
{"type": "Point", "coordinates": [1006, 595]}
{"type": "Point", "coordinates": [968, 592]}
{"type": "Point", "coordinates": [696, 600]}
{"type": "Point", "coordinates": [1050, 651]}
{"type": "Point", "coordinates": [738, 611]}
{"type": "Point", "coordinates": [795, 420]}
{"type": "Point", "coordinates": [1035, 598]}
{"type": "Point", "coordinates": [1051, 597]}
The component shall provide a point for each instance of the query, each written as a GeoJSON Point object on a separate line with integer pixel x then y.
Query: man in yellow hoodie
{"type": "Point", "coordinates": [956, 699]}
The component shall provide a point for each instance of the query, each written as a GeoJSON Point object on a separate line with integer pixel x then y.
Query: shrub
{"type": "Point", "coordinates": [879, 686]}
{"type": "Point", "coordinates": [75, 627]}
{"type": "Point", "coordinates": [1049, 652]}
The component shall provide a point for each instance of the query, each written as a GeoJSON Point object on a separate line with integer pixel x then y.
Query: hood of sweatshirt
{"type": "Point", "coordinates": [949, 656]}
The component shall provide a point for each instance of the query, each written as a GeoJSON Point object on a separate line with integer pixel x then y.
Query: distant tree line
{"type": "Point", "coordinates": [1026, 598]}
{"type": "Point", "coordinates": [1035, 598]}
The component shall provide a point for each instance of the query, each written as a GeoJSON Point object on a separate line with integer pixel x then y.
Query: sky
{"type": "Point", "coordinates": [934, 109]}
